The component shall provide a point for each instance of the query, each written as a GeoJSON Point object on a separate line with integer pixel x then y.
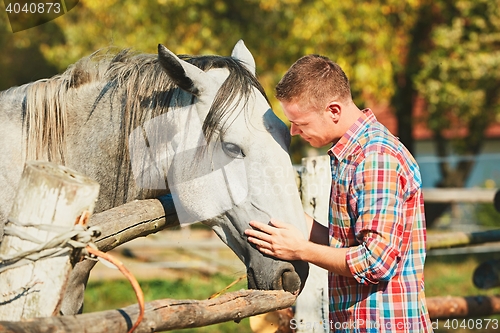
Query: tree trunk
{"type": "Point", "coordinates": [405, 93]}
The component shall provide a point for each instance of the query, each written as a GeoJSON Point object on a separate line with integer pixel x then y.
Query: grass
{"type": "Point", "coordinates": [105, 295]}
{"type": "Point", "coordinates": [452, 275]}
{"type": "Point", "coordinates": [444, 275]}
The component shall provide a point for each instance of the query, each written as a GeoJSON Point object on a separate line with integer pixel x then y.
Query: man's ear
{"type": "Point", "coordinates": [334, 110]}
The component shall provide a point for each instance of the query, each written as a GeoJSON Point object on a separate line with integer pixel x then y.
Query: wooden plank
{"type": "Point", "coordinates": [52, 195]}
{"type": "Point", "coordinates": [316, 180]}
{"type": "Point", "coordinates": [312, 304]}
{"type": "Point", "coordinates": [459, 238]}
{"type": "Point", "coordinates": [161, 315]}
{"type": "Point", "coordinates": [462, 307]}
{"type": "Point", "coordinates": [132, 220]}
{"type": "Point", "coordinates": [470, 195]}
{"type": "Point", "coordinates": [168, 314]}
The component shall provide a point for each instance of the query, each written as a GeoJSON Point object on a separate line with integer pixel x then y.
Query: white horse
{"type": "Point", "coordinates": [143, 125]}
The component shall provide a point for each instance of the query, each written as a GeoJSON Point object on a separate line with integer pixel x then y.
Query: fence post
{"type": "Point", "coordinates": [48, 194]}
{"type": "Point", "coordinates": [311, 311]}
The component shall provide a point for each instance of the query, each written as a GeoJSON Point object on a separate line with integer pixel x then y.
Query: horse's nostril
{"type": "Point", "coordinates": [290, 281]}
{"type": "Point", "coordinates": [283, 276]}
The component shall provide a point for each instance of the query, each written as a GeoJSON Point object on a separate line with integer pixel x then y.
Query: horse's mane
{"type": "Point", "coordinates": [143, 85]}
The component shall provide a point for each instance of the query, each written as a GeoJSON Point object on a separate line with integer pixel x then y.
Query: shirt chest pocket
{"type": "Point", "coordinates": [339, 191]}
{"type": "Point", "coordinates": [338, 203]}
{"type": "Point", "coordinates": [341, 216]}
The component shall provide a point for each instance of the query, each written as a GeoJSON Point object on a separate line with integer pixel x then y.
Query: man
{"type": "Point", "coordinates": [374, 248]}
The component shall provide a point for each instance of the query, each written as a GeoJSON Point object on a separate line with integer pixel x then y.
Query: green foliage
{"type": "Point", "coordinates": [449, 49]}
{"type": "Point", "coordinates": [460, 78]}
{"type": "Point", "coordinates": [22, 59]}
{"type": "Point", "coordinates": [278, 33]}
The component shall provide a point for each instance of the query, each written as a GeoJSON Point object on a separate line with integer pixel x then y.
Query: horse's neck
{"type": "Point", "coordinates": [97, 138]}
{"type": "Point", "coordinates": [93, 138]}
{"type": "Point", "coordinates": [11, 102]}
{"type": "Point", "coordinates": [12, 114]}
{"type": "Point", "coordinates": [12, 146]}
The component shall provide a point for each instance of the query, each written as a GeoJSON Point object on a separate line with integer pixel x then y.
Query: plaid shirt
{"type": "Point", "coordinates": [377, 211]}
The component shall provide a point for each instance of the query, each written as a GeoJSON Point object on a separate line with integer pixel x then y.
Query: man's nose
{"type": "Point", "coordinates": [294, 129]}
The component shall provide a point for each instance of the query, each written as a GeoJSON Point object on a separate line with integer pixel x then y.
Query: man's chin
{"type": "Point", "coordinates": [317, 144]}
{"type": "Point", "coordinates": [306, 139]}
{"type": "Point", "coordinates": [313, 142]}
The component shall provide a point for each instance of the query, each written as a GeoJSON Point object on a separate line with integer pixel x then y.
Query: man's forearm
{"type": "Point", "coordinates": [318, 233]}
{"type": "Point", "coordinates": [330, 258]}
{"type": "Point", "coordinates": [318, 252]}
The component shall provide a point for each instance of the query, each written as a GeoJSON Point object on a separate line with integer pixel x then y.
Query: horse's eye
{"type": "Point", "coordinates": [232, 150]}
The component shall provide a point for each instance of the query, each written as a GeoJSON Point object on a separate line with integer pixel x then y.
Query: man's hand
{"type": "Point", "coordinates": [277, 239]}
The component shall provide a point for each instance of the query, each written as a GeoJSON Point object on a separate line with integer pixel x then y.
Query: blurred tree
{"type": "Point", "coordinates": [414, 41]}
{"type": "Point", "coordinates": [278, 33]}
{"type": "Point", "coordinates": [460, 82]}
{"type": "Point", "coordinates": [22, 60]}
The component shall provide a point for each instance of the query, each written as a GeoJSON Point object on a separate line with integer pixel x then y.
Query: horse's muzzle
{"type": "Point", "coordinates": [284, 275]}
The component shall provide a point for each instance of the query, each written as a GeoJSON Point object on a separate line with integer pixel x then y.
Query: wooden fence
{"type": "Point", "coordinates": [118, 226]}
{"type": "Point", "coordinates": [141, 218]}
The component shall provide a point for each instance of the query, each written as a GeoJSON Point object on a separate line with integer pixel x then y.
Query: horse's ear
{"type": "Point", "coordinates": [188, 77]}
{"type": "Point", "coordinates": [241, 53]}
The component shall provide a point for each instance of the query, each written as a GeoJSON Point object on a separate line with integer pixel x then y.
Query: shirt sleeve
{"type": "Point", "coordinates": [380, 224]}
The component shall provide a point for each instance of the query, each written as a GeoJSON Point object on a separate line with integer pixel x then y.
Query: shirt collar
{"type": "Point", "coordinates": [341, 148]}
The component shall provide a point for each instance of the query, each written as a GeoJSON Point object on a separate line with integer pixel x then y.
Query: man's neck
{"type": "Point", "coordinates": [350, 115]}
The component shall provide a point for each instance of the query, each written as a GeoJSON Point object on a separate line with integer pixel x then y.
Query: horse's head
{"type": "Point", "coordinates": [227, 159]}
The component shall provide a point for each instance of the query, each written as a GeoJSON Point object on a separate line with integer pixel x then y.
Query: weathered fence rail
{"type": "Point", "coordinates": [313, 304]}
{"type": "Point", "coordinates": [161, 315]}
{"type": "Point", "coordinates": [457, 238]}
{"type": "Point", "coordinates": [442, 307]}
{"type": "Point", "coordinates": [469, 195]}
{"type": "Point", "coordinates": [118, 226]}
{"type": "Point", "coordinates": [132, 220]}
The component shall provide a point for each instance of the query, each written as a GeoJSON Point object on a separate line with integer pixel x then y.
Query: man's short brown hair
{"type": "Point", "coordinates": [314, 79]}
